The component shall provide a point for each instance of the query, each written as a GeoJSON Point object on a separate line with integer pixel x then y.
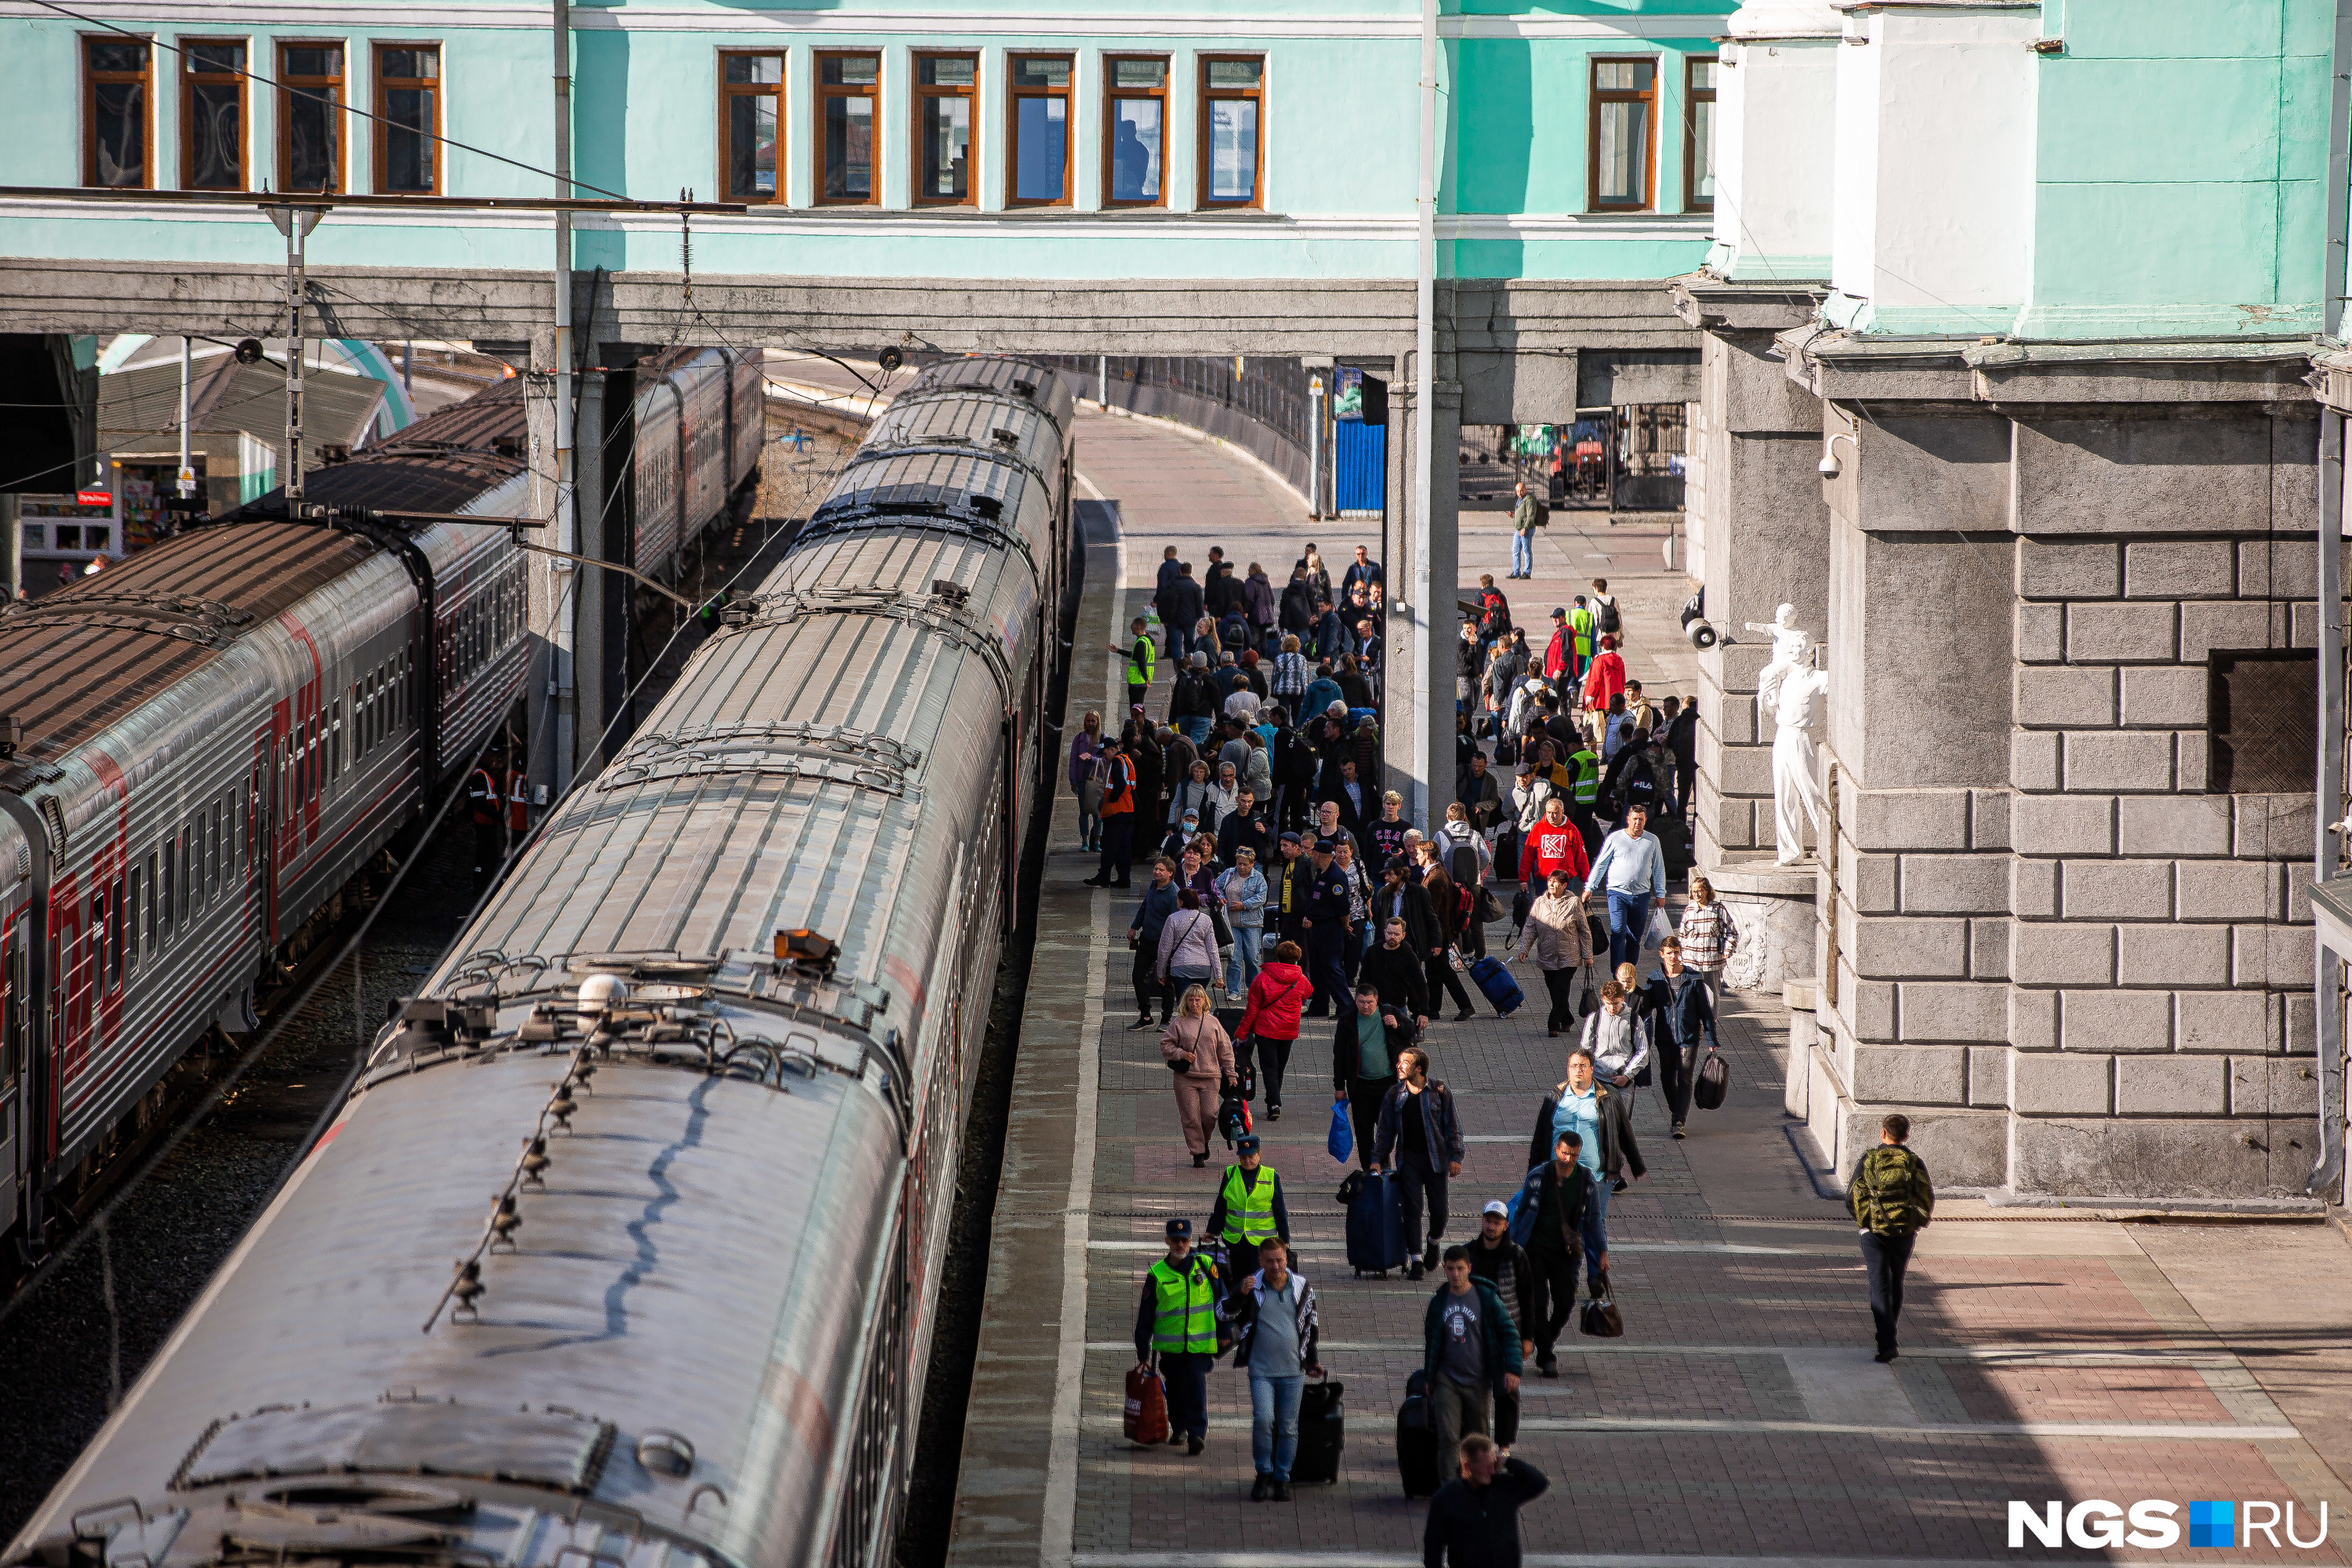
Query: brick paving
{"type": "Point", "coordinates": [1740, 1416]}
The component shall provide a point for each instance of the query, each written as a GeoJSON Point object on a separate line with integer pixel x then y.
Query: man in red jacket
{"type": "Point", "coordinates": [1553, 845]}
{"type": "Point", "coordinates": [1556, 666]}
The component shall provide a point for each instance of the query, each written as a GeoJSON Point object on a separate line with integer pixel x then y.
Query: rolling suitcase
{"type": "Point", "coordinates": [1496, 981]}
{"type": "Point", "coordinates": [1375, 1222]}
{"type": "Point", "coordinates": [1322, 1433]}
{"type": "Point", "coordinates": [1416, 1440]}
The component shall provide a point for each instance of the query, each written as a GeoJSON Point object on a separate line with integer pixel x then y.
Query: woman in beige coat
{"type": "Point", "coordinates": [1557, 937]}
{"type": "Point", "coordinates": [1197, 1047]}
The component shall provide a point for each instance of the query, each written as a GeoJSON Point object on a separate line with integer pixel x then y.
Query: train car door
{"type": "Point", "coordinates": [16, 1030]}
{"type": "Point", "coordinates": [268, 784]}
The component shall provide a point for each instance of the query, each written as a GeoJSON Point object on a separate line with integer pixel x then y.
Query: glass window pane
{"type": "Point", "coordinates": [311, 61]}
{"type": "Point", "coordinates": [755, 67]}
{"type": "Point", "coordinates": [1044, 142]}
{"type": "Point", "coordinates": [947, 147]}
{"type": "Point", "coordinates": [932, 70]}
{"type": "Point", "coordinates": [407, 148]}
{"type": "Point", "coordinates": [852, 70]}
{"type": "Point", "coordinates": [1139, 73]}
{"type": "Point", "coordinates": [1624, 153]}
{"type": "Point", "coordinates": [849, 148]}
{"type": "Point", "coordinates": [752, 145]}
{"type": "Point", "coordinates": [1703, 150]}
{"type": "Point", "coordinates": [216, 57]}
{"type": "Point", "coordinates": [111, 55]}
{"type": "Point", "coordinates": [1233, 73]}
{"type": "Point", "coordinates": [120, 110]}
{"type": "Point", "coordinates": [1702, 76]}
{"type": "Point", "coordinates": [1040, 70]}
{"type": "Point", "coordinates": [1232, 150]}
{"type": "Point", "coordinates": [218, 158]}
{"type": "Point", "coordinates": [410, 65]}
{"type": "Point", "coordinates": [1135, 150]}
{"type": "Point", "coordinates": [312, 124]}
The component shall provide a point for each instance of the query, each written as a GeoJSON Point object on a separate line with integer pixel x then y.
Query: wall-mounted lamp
{"type": "Point", "coordinates": [1830, 465]}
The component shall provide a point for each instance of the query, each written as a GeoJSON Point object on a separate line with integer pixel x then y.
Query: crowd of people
{"type": "Point", "coordinates": [1283, 883]}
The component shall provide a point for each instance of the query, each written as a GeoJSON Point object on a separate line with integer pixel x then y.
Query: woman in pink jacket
{"type": "Point", "coordinates": [1196, 1046]}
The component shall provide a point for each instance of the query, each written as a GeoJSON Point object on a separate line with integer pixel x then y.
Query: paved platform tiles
{"type": "Point", "coordinates": [1740, 1418]}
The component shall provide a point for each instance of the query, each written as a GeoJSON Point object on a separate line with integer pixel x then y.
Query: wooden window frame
{"type": "Point", "coordinates": [379, 99]}
{"type": "Point", "coordinates": [728, 92]}
{"type": "Point", "coordinates": [287, 89]}
{"type": "Point", "coordinates": [820, 94]}
{"type": "Point", "coordinates": [1068, 94]}
{"type": "Point", "coordinates": [91, 80]}
{"type": "Point", "coordinates": [1110, 99]}
{"type": "Point", "coordinates": [1595, 98]}
{"type": "Point", "coordinates": [919, 94]}
{"type": "Point", "coordinates": [190, 77]}
{"type": "Point", "coordinates": [1693, 96]}
{"type": "Point", "coordinates": [1203, 96]}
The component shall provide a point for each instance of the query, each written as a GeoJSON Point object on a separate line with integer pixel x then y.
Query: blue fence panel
{"type": "Point", "coordinates": [1359, 463]}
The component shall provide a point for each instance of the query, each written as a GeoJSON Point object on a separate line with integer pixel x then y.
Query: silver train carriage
{"type": "Point", "coordinates": [701, 425]}
{"type": "Point", "coordinates": [202, 745]}
{"type": "Point", "coordinates": [661, 1162]}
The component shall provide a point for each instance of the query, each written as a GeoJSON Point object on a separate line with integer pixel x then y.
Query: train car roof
{"type": "Point", "coordinates": [450, 460]}
{"type": "Point", "coordinates": [75, 662]}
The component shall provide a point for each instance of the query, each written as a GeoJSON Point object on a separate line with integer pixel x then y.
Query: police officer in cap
{"type": "Point", "coordinates": [1177, 1321]}
{"type": "Point", "coordinates": [1249, 1208]}
{"type": "Point", "coordinates": [1326, 917]}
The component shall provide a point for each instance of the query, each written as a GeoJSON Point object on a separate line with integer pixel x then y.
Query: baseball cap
{"type": "Point", "coordinates": [1497, 1206]}
{"type": "Point", "coordinates": [1179, 1227]}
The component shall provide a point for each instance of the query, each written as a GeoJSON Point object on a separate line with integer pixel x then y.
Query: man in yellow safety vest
{"type": "Point", "coordinates": [1249, 1208]}
{"type": "Point", "coordinates": [1177, 1321]}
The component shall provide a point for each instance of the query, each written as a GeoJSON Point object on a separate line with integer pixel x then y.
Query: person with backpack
{"type": "Point", "coordinates": [1528, 514]}
{"type": "Point", "coordinates": [1604, 610]}
{"type": "Point", "coordinates": [1177, 1321]}
{"type": "Point", "coordinates": [1276, 1328]}
{"type": "Point", "coordinates": [1891, 1200]}
{"type": "Point", "coordinates": [1547, 1220]}
{"type": "Point", "coordinates": [1418, 1136]}
{"type": "Point", "coordinates": [1470, 1348]}
{"type": "Point", "coordinates": [1604, 683]}
{"type": "Point", "coordinates": [1452, 914]}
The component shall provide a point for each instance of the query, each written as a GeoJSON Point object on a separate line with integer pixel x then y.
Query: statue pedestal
{"type": "Point", "coordinates": [1774, 907]}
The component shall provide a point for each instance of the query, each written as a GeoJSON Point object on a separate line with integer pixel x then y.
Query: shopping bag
{"type": "Point", "coordinates": [1659, 928]}
{"type": "Point", "coordinates": [1147, 1407]}
{"type": "Point", "coordinates": [1342, 1141]}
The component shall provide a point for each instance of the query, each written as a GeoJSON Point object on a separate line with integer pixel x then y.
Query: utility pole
{"type": "Point", "coordinates": [567, 603]}
{"type": "Point", "coordinates": [187, 485]}
{"type": "Point", "coordinates": [295, 224]}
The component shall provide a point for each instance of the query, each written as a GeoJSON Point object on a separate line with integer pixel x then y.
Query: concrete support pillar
{"type": "Point", "coordinates": [553, 603]}
{"type": "Point", "coordinates": [1417, 739]}
{"type": "Point", "coordinates": [590, 481]}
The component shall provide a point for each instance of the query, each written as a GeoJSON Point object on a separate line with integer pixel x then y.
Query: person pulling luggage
{"type": "Point", "coordinates": [1470, 1348]}
{"type": "Point", "coordinates": [1248, 1210]}
{"type": "Point", "coordinates": [1365, 1050]}
{"type": "Point", "coordinates": [1177, 1321]}
{"type": "Point", "coordinates": [1418, 1136]}
{"type": "Point", "coordinates": [1273, 1321]}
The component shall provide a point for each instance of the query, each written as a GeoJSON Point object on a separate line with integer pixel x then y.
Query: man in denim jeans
{"type": "Point", "coordinates": [1275, 1322]}
{"type": "Point", "coordinates": [1632, 867]}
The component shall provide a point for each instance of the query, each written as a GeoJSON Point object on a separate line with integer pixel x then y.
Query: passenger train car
{"type": "Point", "coordinates": [626, 1247]}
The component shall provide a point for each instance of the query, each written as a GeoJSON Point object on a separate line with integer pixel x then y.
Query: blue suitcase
{"type": "Point", "coordinates": [1375, 1223]}
{"type": "Point", "coordinates": [1494, 980]}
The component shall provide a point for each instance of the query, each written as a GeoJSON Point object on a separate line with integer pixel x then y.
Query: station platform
{"type": "Point", "coordinates": [2047, 1355]}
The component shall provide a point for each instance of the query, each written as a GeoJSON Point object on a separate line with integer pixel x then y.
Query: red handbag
{"type": "Point", "coordinates": [1147, 1407]}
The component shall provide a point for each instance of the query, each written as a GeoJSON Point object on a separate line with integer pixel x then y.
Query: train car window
{"type": "Point", "coordinates": [188, 858]}
{"type": "Point", "coordinates": [114, 934]}
{"type": "Point", "coordinates": [12, 1006]}
{"type": "Point", "coordinates": [134, 915]}
{"type": "Point", "coordinates": [147, 906]}
{"type": "Point", "coordinates": [213, 851]}
{"type": "Point", "coordinates": [163, 889]}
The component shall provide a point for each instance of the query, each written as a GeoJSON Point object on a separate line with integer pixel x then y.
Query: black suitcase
{"type": "Point", "coordinates": [1322, 1433]}
{"type": "Point", "coordinates": [1416, 1440]}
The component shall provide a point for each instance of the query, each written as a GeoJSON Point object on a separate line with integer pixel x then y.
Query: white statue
{"type": "Point", "coordinates": [1790, 689]}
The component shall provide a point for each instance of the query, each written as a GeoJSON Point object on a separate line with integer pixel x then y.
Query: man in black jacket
{"type": "Point", "coordinates": [1682, 745]}
{"type": "Point", "coordinates": [1364, 1051]}
{"type": "Point", "coordinates": [1502, 1263]}
{"type": "Point", "coordinates": [1246, 828]}
{"type": "Point", "coordinates": [1606, 1148]}
{"type": "Point", "coordinates": [1418, 1136]}
{"type": "Point", "coordinates": [1474, 1522]}
{"type": "Point", "coordinates": [1394, 968]}
{"type": "Point", "coordinates": [1681, 1018]}
{"type": "Point", "coordinates": [1179, 608]}
{"type": "Point", "coordinates": [1553, 1201]}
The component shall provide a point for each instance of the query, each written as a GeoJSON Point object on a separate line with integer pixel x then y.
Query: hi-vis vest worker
{"type": "Point", "coordinates": [1587, 787]}
{"type": "Point", "coordinates": [1249, 1205]}
{"type": "Point", "coordinates": [482, 797]}
{"type": "Point", "coordinates": [1185, 1320]}
{"type": "Point", "coordinates": [518, 801]}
